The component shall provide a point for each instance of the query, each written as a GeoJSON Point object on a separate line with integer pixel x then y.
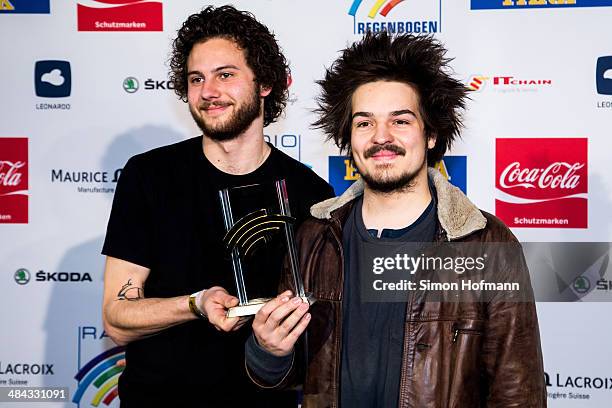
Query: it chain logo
{"type": "Point", "coordinates": [52, 79]}
{"type": "Point", "coordinates": [542, 182]}
{"type": "Point", "coordinates": [507, 83]}
{"type": "Point", "coordinates": [603, 80]}
{"type": "Point", "coordinates": [343, 173]}
{"type": "Point", "coordinates": [422, 16]}
{"type": "Point", "coordinates": [13, 180]}
{"type": "Point", "coordinates": [119, 15]}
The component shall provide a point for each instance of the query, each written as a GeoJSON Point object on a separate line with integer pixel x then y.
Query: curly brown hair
{"type": "Point", "coordinates": [262, 53]}
{"type": "Point", "coordinates": [418, 61]}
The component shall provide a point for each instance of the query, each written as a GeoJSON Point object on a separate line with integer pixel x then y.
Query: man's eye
{"type": "Point", "coordinates": [226, 75]}
{"type": "Point", "coordinates": [362, 124]}
{"type": "Point", "coordinates": [401, 122]}
{"type": "Point", "coordinates": [196, 80]}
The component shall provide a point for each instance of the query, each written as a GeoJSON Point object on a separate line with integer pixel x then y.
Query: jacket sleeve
{"type": "Point", "coordinates": [511, 351]}
{"type": "Point", "coordinates": [295, 372]}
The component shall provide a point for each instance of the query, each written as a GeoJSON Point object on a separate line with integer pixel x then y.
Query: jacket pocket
{"type": "Point", "coordinates": [466, 369]}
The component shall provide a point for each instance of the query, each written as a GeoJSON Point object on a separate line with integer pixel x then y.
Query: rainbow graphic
{"type": "Point", "coordinates": [103, 373]}
{"type": "Point", "coordinates": [424, 17]}
{"type": "Point", "coordinates": [375, 8]}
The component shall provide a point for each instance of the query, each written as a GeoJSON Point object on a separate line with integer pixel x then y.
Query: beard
{"type": "Point", "coordinates": [384, 183]}
{"type": "Point", "coordinates": [236, 124]}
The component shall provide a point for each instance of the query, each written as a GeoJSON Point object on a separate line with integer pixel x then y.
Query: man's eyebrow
{"type": "Point", "coordinates": [364, 114]}
{"type": "Point", "coordinates": [403, 112]}
{"type": "Point", "coordinates": [221, 68]}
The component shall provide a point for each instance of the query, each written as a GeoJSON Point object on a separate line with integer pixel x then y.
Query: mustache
{"type": "Point", "coordinates": [206, 105]}
{"type": "Point", "coordinates": [379, 148]}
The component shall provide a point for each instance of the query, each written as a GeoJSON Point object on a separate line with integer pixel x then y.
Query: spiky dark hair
{"type": "Point", "coordinates": [418, 61]}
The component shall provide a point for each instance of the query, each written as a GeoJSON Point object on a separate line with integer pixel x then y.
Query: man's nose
{"type": "Point", "coordinates": [210, 90]}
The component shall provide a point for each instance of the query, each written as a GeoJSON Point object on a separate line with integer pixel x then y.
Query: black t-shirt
{"type": "Point", "coordinates": [373, 332]}
{"type": "Point", "coordinates": [166, 216]}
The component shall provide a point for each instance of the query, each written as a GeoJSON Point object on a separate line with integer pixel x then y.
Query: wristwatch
{"type": "Point", "coordinates": [194, 307]}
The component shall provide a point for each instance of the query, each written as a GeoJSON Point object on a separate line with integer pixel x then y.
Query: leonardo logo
{"type": "Point", "coordinates": [99, 378]}
{"type": "Point", "coordinates": [425, 16]}
{"type": "Point", "coordinates": [22, 276]}
{"type": "Point", "coordinates": [130, 85]}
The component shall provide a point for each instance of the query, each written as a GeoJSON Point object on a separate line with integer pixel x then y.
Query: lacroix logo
{"type": "Point", "coordinates": [542, 183]}
{"type": "Point", "coordinates": [119, 15]}
{"type": "Point", "coordinates": [14, 180]}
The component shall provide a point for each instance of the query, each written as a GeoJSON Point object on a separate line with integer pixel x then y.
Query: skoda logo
{"type": "Point", "coordinates": [22, 276]}
{"type": "Point", "coordinates": [130, 85]}
{"type": "Point", "coordinates": [581, 285]}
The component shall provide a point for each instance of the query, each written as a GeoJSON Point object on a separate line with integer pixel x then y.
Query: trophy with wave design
{"type": "Point", "coordinates": [259, 233]}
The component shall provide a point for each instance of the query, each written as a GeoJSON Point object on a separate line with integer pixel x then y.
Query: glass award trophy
{"type": "Point", "coordinates": [259, 234]}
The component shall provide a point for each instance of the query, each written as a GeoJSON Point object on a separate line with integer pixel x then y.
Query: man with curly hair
{"type": "Point", "coordinates": [391, 102]}
{"type": "Point", "coordinates": [167, 279]}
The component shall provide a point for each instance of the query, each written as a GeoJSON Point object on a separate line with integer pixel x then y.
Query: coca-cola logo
{"type": "Point", "coordinates": [10, 174]}
{"type": "Point", "coordinates": [556, 175]}
{"type": "Point", "coordinates": [13, 180]}
{"type": "Point", "coordinates": [542, 182]}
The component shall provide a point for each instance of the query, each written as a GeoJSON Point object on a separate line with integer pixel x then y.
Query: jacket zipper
{"type": "Point", "coordinates": [339, 336]}
{"type": "Point", "coordinates": [457, 330]}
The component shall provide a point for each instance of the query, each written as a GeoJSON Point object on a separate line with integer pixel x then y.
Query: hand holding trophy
{"type": "Point", "coordinates": [258, 217]}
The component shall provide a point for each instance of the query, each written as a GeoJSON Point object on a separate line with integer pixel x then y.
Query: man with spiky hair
{"type": "Point", "coordinates": [167, 277]}
{"type": "Point", "coordinates": [390, 101]}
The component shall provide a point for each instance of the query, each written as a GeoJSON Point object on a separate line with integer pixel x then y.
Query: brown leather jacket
{"type": "Point", "coordinates": [463, 355]}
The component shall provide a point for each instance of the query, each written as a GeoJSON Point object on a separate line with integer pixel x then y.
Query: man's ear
{"type": "Point", "coordinates": [431, 140]}
{"type": "Point", "coordinates": [264, 91]}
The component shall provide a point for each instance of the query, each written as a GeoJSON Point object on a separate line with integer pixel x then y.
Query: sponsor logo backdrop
{"type": "Point", "coordinates": [84, 87]}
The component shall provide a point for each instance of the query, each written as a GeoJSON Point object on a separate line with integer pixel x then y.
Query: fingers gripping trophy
{"type": "Point", "coordinates": [256, 216]}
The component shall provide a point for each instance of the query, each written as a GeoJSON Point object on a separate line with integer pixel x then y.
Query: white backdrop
{"type": "Point", "coordinates": [537, 72]}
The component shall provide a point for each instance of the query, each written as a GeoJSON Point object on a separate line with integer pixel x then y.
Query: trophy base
{"type": "Point", "coordinates": [249, 309]}
{"type": "Point", "coordinates": [254, 305]}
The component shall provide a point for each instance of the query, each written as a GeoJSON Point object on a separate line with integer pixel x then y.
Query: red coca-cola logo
{"type": "Point", "coordinates": [542, 182]}
{"type": "Point", "coordinates": [11, 174]}
{"type": "Point", "coordinates": [560, 175]}
{"type": "Point", "coordinates": [14, 180]}
{"type": "Point", "coordinates": [120, 15]}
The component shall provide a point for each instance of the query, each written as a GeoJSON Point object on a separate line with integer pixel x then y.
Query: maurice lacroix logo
{"type": "Point", "coordinates": [87, 181]}
{"type": "Point", "coordinates": [542, 182]}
